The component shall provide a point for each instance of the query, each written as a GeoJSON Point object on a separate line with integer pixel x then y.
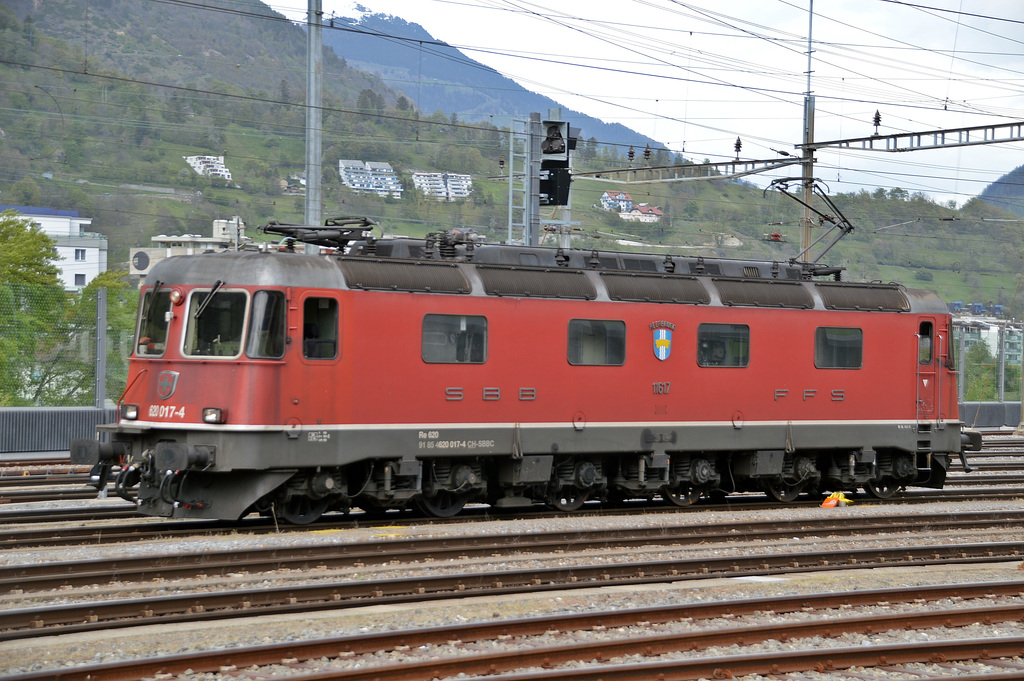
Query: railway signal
{"type": "Point", "coordinates": [555, 176]}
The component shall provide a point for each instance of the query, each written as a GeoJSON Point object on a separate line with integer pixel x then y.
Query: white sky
{"type": "Point", "coordinates": [697, 75]}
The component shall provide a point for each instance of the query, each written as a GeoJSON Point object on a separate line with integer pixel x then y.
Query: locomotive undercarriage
{"type": "Point", "coordinates": [175, 476]}
{"type": "Point", "coordinates": [442, 487]}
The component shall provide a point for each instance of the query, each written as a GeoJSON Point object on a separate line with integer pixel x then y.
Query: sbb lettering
{"type": "Point", "coordinates": [491, 394]}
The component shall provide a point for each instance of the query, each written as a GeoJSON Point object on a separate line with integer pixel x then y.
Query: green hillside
{"type": "Point", "coordinates": [101, 101]}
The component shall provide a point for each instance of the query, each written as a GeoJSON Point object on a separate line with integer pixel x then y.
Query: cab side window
{"type": "Point", "coordinates": [320, 328]}
{"type": "Point", "coordinates": [924, 343]}
{"type": "Point", "coordinates": [266, 325]}
{"type": "Point", "coordinates": [153, 318]}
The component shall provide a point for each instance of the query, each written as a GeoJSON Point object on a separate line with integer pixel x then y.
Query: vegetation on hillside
{"type": "Point", "coordinates": [101, 104]}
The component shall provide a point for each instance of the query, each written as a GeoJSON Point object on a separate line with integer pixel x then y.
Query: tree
{"type": "Point", "coordinates": [29, 254]}
{"type": "Point", "coordinates": [980, 368]}
{"type": "Point", "coordinates": [66, 376]}
{"type": "Point", "coordinates": [31, 305]}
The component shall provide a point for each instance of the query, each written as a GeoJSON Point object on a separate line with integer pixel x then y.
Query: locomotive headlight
{"type": "Point", "coordinates": [176, 297]}
{"type": "Point", "coordinates": [214, 415]}
{"type": "Point", "coordinates": [129, 412]}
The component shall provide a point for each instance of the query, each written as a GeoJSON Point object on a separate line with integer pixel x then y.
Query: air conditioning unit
{"type": "Point", "coordinates": [142, 261]}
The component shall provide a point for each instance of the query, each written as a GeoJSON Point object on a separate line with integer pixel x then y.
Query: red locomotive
{"type": "Point", "coordinates": [442, 371]}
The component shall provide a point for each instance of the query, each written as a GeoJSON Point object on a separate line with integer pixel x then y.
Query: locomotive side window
{"type": "Point", "coordinates": [723, 345]}
{"type": "Point", "coordinates": [924, 343]}
{"type": "Point", "coordinates": [597, 342]}
{"type": "Point", "coordinates": [266, 328]}
{"type": "Point", "coordinates": [152, 333]}
{"type": "Point", "coordinates": [216, 321]}
{"type": "Point", "coordinates": [838, 348]}
{"type": "Point", "coordinates": [454, 339]}
{"type": "Point", "coordinates": [320, 328]}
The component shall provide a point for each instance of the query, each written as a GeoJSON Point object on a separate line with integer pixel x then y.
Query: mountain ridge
{"type": "Point", "coordinates": [441, 77]}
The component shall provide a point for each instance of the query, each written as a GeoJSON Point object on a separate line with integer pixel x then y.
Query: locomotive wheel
{"type": "Point", "coordinates": [443, 504]}
{"type": "Point", "coordinates": [885, 488]}
{"type": "Point", "coordinates": [303, 510]}
{"type": "Point", "coordinates": [568, 499]}
{"type": "Point", "coordinates": [780, 490]}
{"type": "Point", "coordinates": [681, 495]}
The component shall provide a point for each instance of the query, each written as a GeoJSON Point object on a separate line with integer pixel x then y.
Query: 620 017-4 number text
{"type": "Point", "coordinates": [166, 411]}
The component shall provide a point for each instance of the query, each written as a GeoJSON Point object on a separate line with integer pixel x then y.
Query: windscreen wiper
{"type": "Point", "coordinates": [149, 301]}
{"type": "Point", "coordinates": [206, 301]}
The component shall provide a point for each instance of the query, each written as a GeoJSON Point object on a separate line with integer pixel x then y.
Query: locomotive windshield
{"type": "Point", "coordinates": [153, 322]}
{"type": "Point", "coordinates": [216, 320]}
{"type": "Point", "coordinates": [266, 331]}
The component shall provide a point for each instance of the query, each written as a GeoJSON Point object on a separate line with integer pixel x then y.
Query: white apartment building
{"type": "Point", "coordinates": [443, 186]}
{"type": "Point", "coordinates": [993, 333]}
{"type": "Point", "coordinates": [212, 166]}
{"type": "Point", "coordinates": [84, 254]}
{"type": "Point", "coordinates": [370, 176]}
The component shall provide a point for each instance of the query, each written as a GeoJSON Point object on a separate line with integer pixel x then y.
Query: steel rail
{"type": "Point", "coordinates": [42, 480]}
{"type": "Point", "coordinates": [52, 575]}
{"type": "Point", "coordinates": [17, 538]}
{"type": "Point", "coordinates": [31, 622]}
{"type": "Point", "coordinates": [215, 660]}
{"type": "Point", "coordinates": [821, 661]}
{"type": "Point", "coordinates": [651, 646]}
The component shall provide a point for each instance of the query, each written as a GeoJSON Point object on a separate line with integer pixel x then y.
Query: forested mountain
{"type": "Point", "coordinates": [1007, 192]}
{"type": "Point", "coordinates": [441, 78]}
{"type": "Point", "coordinates": [101, 100]}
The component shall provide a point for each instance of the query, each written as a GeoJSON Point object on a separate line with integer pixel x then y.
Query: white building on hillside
{"type": "Point", "coordinates": [616, 200]}
{"type": "Point", "coordinates": [443, 186]}
{"type": "Point", "coordinates": [370, 176]}
{"type": "Point", "coordinates": [642, 212]}
{"type": "Point", "coordinates": [227, 235]}
{"type": "Point", "coordinates": [84, 254]}
{"type": "Point", "coordinates": [211, 166]}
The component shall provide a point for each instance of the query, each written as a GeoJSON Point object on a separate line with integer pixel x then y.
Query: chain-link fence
{"type": "Point", "coordinates": [49, 341]}
{"type": "Point", "coordinates": [988, 354]}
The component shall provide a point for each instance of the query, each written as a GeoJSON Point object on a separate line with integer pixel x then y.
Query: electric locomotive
{"type": "Point", "coordinates": [442, 371]}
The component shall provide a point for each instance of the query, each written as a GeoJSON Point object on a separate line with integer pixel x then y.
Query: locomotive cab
{"type": "Point", "coordinates": [208, 379]}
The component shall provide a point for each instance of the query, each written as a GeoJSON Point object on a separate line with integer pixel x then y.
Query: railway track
{"type": "Point", "coordinates": [341, 591]}
{"type": "Point", "coordinates": [644, 634]}
{"type": "Point", "coordinates": [336, 578]}
{"type": "Point", "coordinates": [58, 575]}
{"type": "Point", "coordinates": [57, 532]}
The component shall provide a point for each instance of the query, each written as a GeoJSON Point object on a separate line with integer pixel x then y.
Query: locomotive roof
{"type": "Point", "coordinates": [393, 265]}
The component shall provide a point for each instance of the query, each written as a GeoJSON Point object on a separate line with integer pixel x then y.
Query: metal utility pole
{"type": "Point", "coordinates": [808, 158]}
{"type": "Point", "coordinates": [314, 79]}
{"type": "Point", "coordinates": [101, 348]}
{"type": "Point", "coordinates": [531, 221]}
